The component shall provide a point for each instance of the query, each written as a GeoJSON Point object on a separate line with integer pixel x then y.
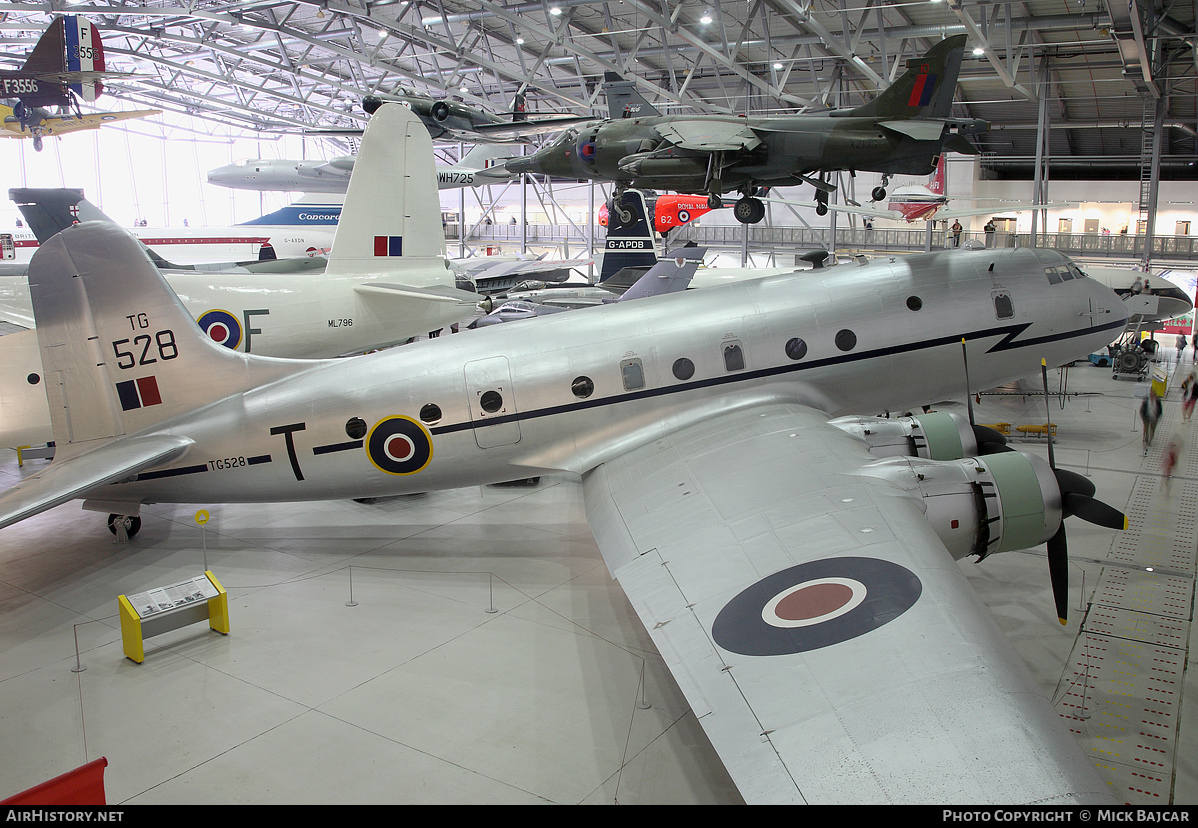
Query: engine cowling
{"type": "Point", "coordinates": [935, 436]}
{"type": "Point", "coordinates": [980, 506]}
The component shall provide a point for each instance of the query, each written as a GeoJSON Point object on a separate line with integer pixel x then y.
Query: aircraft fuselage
{"type": "Point", "coordinates": [567, 391]}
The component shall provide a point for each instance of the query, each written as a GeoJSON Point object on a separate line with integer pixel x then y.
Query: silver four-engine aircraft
{"type": "Point", "coordinates": [798, 575]}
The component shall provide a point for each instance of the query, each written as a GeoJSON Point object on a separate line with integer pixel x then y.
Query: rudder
{"type": "Point", "coordinates": [926, 89]}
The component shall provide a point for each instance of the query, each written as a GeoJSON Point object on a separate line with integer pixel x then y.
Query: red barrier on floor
{"type": "Point", "coordinates": [82, 786]}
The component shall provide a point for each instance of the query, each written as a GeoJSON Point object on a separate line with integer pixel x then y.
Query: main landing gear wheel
{"type": "Point", "coordinates": [749, 210]}
{"type": "Point", "coordinates": [879, 193]}
{"type": "Point", "coordinates": [130, 525]}
{"type": "Point", "coordinates": [821, 207]}
{"type": "Point", "coordinates": [37, 143]}
{"type": "Point", "coordinates": [714, 202]}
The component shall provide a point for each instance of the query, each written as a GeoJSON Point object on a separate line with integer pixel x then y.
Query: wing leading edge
{"type": "Point", "coordinates": [825, 638]}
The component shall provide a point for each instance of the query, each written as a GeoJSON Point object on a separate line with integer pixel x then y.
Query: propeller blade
{"type": "Point", "coordinates": [1093, 511]}
{"type": "Point", "coordinates": [1052, 461]}
{"type": "Point", "coordinates": [968, 394]}
{"type": "Point", "coordinates": [1058, 572]}
{"type": "Point", "coordinates": [1072, 482]}
{"type": "Point", "coordinates": [990, 441]}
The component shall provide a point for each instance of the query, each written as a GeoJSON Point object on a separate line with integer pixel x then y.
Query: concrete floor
{"type": "Point", "coordinates": [489, 657]}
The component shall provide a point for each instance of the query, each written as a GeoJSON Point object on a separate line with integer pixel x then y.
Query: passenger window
{"type": "Point", "coordinates": [633, 374]}
{"type": "Point", "coordinates": [582, 387]}
{"type": "Point", "coordinates": [1003, 306]}
{"type": "Point", "coordinates": [734, 356]}
{"type": "Point", "coordinates": [684, 369]}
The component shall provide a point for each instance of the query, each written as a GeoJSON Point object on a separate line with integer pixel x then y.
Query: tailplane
{"type": "Point", "coordinates": [925, 90]}
{"type": "Point", "coordinates": [119, 351]}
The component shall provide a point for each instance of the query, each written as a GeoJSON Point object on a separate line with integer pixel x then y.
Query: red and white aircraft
{"type": "Point", "coordinates": [920, 202]}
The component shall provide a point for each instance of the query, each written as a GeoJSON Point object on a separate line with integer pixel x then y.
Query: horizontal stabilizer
{"type": "Point", "coordinates": [670, 275]}
{"type": "Point", "coordinates": [440, 294]}
{"type": "Point", "coordinates": [917, 128]}
{"type": "Point", "coordinates": [68, 479]}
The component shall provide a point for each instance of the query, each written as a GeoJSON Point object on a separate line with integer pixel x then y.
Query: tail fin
{"type": "Point", "coordinates": [391, 220]}
{"type": "Point", "coordinates": [629, 242]}
{"type": "Point", "coordinates": [50, 211]}
{"type": "Point", "coordinates": [49, 57]}
{"type": "Point", "coordinates": [623, 101]}
{"type": "Point", "coordinates": [925, 90]}
{"type": "Point", "coordinates": [519, 107]}
{"type": "Point", "coordinates": [85, 53]}
{"type": "Point", "coordinates": [49, 53]}
{"type": "Point", "coordinates": [120, 353]}
{"type": "Point", "coordinates": [936, 185]}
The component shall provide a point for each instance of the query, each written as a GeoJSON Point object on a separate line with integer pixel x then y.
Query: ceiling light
{"type": "Point", "coordinates": [705, 19]}
{"type": "Point", "coordinates": [519, 41]}
{"type": "Point", "coordinates": [555, 10]}
{"type": "Point", "coordinates": [777, 65]}
{"type": "Point", "coordinates": [978, 51]}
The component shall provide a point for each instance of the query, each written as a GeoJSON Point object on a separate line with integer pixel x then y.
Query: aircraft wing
{"type": "Point", "coordinates": [1000, 208]}
{"type": "Point", "coordinates": [66, 479]}
{"type": "Point", "coordinates": [707, 135]}
{"type": "Point", "coordinates": [858, 209]}
{"type": "Point", "coordinates": [884, 679]}
{"type": "Point", "coordinates": [62, 124]}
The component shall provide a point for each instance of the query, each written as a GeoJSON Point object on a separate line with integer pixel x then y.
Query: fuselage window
{"type": "Point", "coordinates": [846, 340]}
{"type": "Point", "coordinates": [684, 369]}
{"type": "Point", "coordinates": [734, 356]}
{"type": "Point", "coordinates": [633, 374]}
{"type": "Point", "coordinates": [796, 348]}
{"type": "Point", "coordinates": [1003, 306]}
{"type": "Point", "coordinates": [355, 428]}
{"type": "Point", "coordinates": [914, 303]}
{"type": "Point", "coordinates": [582, 387]}
{"type": "Point", "coordinates": [430, 413]}
{"type": "Point", "coordinates": [491, 401]}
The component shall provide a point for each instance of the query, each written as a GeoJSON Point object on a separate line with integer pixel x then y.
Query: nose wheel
{"type": "Point", "coordinates": [879, 193]}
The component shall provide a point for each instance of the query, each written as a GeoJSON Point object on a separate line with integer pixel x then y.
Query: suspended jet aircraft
{"type": "Point", "coordinates": [902, 130]}
{"type": "Point", "coordinates": [482, 165]}
{"type": "Point", "coordinates": [801, 587]}
{"type": "Point", "coordinates": [65, 66]}
{"type": "Point", "coordinates": [386, 280]}
{"type": "Point", "coordinates": [453, 120]}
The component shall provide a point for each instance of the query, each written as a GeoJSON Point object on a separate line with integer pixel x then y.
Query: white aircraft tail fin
{"type": "Point", "coordinates": [391, 221]}
{"type": "Point", "coordinates": [119, 351]}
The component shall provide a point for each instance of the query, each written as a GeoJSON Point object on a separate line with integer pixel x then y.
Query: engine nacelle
{"type": "Point", "coordinates": [936, 436]}
{"type": "Point", "coordinates": [979, 506]}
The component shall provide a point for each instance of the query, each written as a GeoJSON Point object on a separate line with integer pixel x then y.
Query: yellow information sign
{"type": "Point", "coordinates": [202, 517]}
